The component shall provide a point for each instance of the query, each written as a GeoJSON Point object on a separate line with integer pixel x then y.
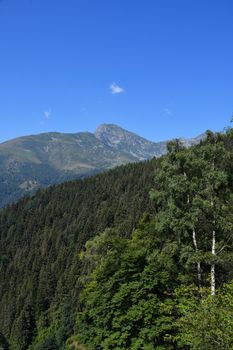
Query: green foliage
{"type": "Point", "coordinates": [47, 343]}
{"type": "Point", "coordinates": [126, 303]}
{"type": "Point", "coordinates": [205, 322]}
{"type": "Point", "coordinates": [23, 329]}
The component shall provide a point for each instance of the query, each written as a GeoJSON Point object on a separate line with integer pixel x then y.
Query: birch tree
{"type": "Point", "coordinates": [194, 190]}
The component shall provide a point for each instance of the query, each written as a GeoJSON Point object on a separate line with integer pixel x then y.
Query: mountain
{"type": "Point", "coordinates": [31, 162]}
{"type": "Point", "coordinates": [128, 142]}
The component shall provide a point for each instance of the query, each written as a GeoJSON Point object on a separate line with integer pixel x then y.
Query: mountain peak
{"type": "Point", "coordinates": [117, 137]}
{"type": "Point", "coordinates": [123, 140]}
{"type": "Point", "coordinates": [109, 129]}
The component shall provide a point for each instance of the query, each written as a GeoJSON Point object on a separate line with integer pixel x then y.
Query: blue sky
{"type": "Point", "coordinates": [160, 68]}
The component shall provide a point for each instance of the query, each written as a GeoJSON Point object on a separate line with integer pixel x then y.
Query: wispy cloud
{"type": "Point", "coordinates": [167, 111]}
{"type": "Point", "coordinates": [116, 89]}
{"type": "Point", "coordinates": [47, 114]}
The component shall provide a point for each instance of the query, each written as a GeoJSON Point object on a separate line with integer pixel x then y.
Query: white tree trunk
{"type": "Point", "coordinates": [195, 245]}
{"type": "Point", "coordinates": [212, 270]}
{"type": "Point", "coordinates": [198, 264]}
{"type": "Point", "coordinates": [213, 265]}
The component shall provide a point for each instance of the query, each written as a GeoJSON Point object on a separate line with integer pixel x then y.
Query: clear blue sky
{"type": "Point", "coordinates": [169, 62]}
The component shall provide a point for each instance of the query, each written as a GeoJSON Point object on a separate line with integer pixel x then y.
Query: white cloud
{"type": "Point", "coordinates": [116, 89]}
{"type": "Point", "coordinates": [47, 114]}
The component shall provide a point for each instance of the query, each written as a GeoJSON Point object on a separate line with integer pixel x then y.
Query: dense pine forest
{"type": "Point", "coordinates": [139, 257]}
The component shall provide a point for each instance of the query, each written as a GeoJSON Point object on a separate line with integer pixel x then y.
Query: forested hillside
{"type": "Point", "coordinates": [137, 258]}
{"type": "Point", "coordinates": [41, 238]}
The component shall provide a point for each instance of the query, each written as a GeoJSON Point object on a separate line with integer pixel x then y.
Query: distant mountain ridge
{"type": "Point", "coordinates": [31, 162]}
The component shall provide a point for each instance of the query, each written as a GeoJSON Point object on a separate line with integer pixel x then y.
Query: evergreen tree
{"type": "Point", "coordinates": [3, 343]}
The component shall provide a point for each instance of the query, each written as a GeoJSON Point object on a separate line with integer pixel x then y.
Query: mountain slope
{"type": "Point", "coordinates": [31, 162]}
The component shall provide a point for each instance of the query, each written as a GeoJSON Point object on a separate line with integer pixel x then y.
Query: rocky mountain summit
{"type": "Point", "coordinates": [126, 141]}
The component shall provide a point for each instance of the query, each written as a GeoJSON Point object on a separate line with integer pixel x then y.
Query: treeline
{"type": "Point", "coordinates": [137, 258]}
